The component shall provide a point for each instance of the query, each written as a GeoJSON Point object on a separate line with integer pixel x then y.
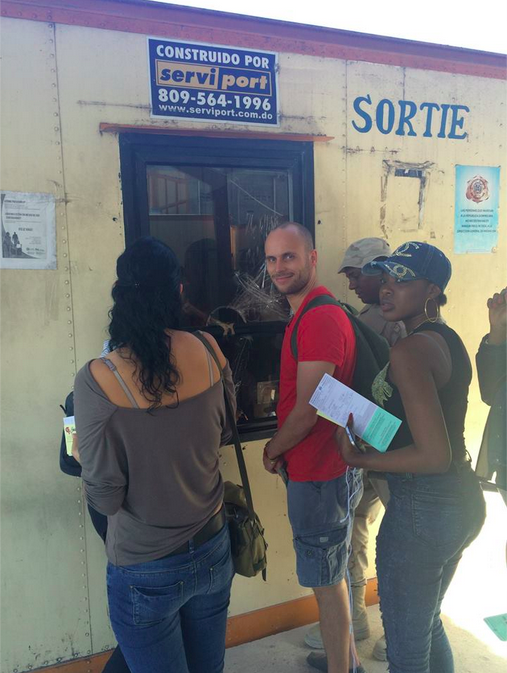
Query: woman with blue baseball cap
{"type": "Point", "coordinates": [436, 508]}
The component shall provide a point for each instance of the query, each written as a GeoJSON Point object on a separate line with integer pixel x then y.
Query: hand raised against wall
{"type": "Point", "coordinates": [497, 305]}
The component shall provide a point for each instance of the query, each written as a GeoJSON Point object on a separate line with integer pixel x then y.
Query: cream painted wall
{"type": "Point", "coordinates": [59, 83]}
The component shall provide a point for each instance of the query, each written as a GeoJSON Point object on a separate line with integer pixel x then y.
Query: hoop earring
{"type": "Point", "coordinates": [435, 319]}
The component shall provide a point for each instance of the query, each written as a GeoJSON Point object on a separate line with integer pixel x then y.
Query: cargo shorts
{"type": "Point", "coordinates": [321, 514]}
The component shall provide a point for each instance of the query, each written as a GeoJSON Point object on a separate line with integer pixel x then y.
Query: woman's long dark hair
{"type": "Point", "coordinates": [146, 303]}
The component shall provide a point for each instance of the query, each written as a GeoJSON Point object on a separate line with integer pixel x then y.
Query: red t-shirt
{"type": "Point", "coordinates": [324, 334]}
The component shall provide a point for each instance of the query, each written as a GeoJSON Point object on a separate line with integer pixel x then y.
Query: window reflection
{"type": "Point", "coordinates": [216, 220]}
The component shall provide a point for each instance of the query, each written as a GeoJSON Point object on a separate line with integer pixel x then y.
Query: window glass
{"type": "Point", "coordinates": [216, 219]}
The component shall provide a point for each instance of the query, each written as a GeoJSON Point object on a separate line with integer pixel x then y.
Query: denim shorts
{"type": "Point", "coordinates": [321, 514]}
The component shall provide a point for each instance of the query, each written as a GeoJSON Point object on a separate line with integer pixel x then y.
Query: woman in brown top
{"type": "Point", "coordinates": [150, 418]}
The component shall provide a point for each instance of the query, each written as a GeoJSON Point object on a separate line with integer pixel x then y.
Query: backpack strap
{"type": "Point", "coordinates": [372, 350]}
{"type": "Point", "coordinates": [235, 435]}
{"type": "Point", "coordinates": [320, 300]}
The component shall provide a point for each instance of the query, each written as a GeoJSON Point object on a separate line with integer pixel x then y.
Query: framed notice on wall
{"type": "Point", "coordinates": [28, 231]}
{"type": "Point", "coordinates": [476, 208]}
{"type": "Point", "coordinates": [212, 83]}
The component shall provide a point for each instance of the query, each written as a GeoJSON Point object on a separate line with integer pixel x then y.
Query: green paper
{"type": "Point", "coordinates": [498, 624]}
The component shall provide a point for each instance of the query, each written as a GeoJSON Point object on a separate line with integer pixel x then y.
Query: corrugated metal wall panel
{"type": "Point", "coordinates": [61, 84]}
{"type": "Point", "coordinates": [45, 616]}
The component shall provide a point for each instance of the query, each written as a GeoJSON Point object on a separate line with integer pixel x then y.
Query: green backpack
{"type": "Point", "coordinates": [372, 350]}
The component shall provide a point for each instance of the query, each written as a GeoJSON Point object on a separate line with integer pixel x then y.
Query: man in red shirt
{"type": "Point", "coordinates": [321, 493]}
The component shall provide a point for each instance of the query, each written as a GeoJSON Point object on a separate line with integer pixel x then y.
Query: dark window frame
{"type": "Point", "coordinates": [138, 151]}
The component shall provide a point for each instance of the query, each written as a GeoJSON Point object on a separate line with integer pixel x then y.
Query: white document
{"type": "Point", "coordinates": [335, 401]}
{"type": "Point", "coordinates": [28, 231]}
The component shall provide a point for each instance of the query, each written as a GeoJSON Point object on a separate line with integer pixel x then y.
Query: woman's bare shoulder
{"type": "Point", "coordinates": [97, 369]}
{"type": "Point", "coordinates": [409, 355]}
{"type": "Point", "coordinates": [212, 342]}
{"type": "Point", "coordinates": [102, 373]}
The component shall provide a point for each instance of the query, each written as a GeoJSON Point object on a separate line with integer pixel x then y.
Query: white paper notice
{"type": "Point", "coordinates": [28, 231]}
{"type": "Point", "coordinates": [335, 401]}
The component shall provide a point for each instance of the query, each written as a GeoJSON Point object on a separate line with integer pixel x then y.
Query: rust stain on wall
{"type": "Point", "coordinates": [102, 103]}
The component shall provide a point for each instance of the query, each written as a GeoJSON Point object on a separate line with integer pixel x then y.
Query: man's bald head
{"type": "Point", "coordinates": [300, 231]}
{"type": "Point", "coordinates": [291, 258]}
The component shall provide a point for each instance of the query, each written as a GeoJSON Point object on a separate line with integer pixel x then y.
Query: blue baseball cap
{"type": "Point", "coordinates": [412, 261]}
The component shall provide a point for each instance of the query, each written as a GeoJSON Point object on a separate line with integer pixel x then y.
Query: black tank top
{"type": "Point", "coordinates": [453, 395]}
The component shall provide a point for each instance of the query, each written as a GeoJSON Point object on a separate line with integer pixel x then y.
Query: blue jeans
{"type": "Point", "coordinates": [170, 615]}
{"type": "Point", "coordinates": [428, 523]}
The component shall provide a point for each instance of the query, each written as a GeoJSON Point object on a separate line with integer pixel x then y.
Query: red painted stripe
{"type": "Point", "coordinates": [187, 23]}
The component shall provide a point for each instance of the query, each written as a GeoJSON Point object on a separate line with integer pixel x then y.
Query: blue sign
{"type": "Point", "coordinates": [212, 83]}
{"type": "Point", "coordinates": [476, 213]}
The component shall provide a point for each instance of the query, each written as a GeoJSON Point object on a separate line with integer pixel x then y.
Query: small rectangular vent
{"type": "Point", "coordinates": [408, 173]}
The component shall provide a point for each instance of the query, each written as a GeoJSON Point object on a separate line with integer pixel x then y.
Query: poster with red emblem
{"type": "Point", "coordinates": [476, 214]}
